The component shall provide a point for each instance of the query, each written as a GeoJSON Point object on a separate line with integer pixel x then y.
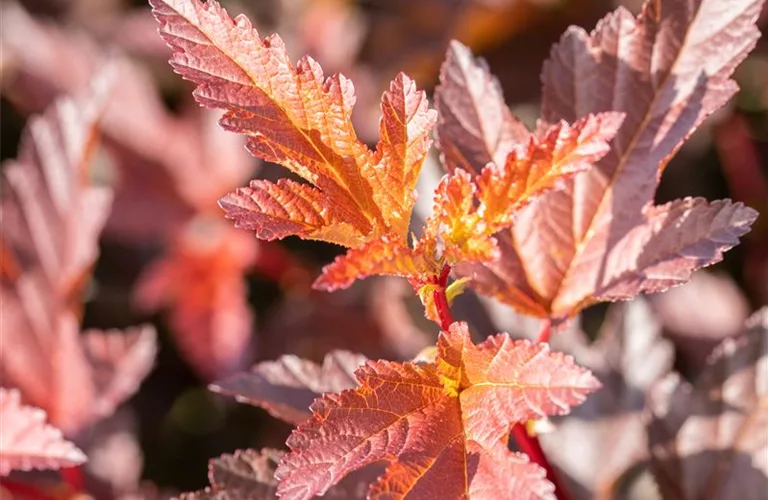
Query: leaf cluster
{"type": "Point", "coordinates": [548, 221]}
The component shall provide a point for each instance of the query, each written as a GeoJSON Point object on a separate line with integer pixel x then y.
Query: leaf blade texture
{"type": "Point", "coordinates": [294, 116]}
{"type": "Point", "coordinates": [430, 416]}
{"type": "Point", "coordinates": [244, 474]}
{"type": "Point", "coordinates": [470, 104]}
{"type": "Point", "coordinates": [378, 257]}
{"type": "Point", "coordinates": [656, 69]}
{"type": "Point", "coordinates": [27, 442]}
{"type": "Point", "coordinates": [468, 212]}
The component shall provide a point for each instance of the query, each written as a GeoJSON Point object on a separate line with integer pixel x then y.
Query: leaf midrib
{"type": "Point", "coordinates": [584, 242]}
{"type": "Point", "coordinates": [198, 26]}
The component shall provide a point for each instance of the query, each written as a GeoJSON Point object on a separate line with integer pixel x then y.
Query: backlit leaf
{"type": "Point", "coordinates": [378, 257]}
{"type": "Point", "coordinates": [292, 115]}
{"type": "Point", "coordinates": [446, 422]}
{"type": "Point", "coordinates": [540, 165]}
{"type": "Point", "coordinates": [468, 212]}
{"type": "Point", "coordinates": [666, 70]}
{"type": "Point", "coordinates": [27, 442]}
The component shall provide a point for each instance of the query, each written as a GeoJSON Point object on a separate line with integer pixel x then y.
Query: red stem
{"type": "Point", "coordinates": [441, 300]}
{"type": "Point", "coordinates": [73, 477]}
{"type": "Point", "coordinates": [24, 490]}
{"type": "Point", "coordinates": [443, 309]}
{"type": "Point", "coordinates": [545, 332]}
{"type": "Point", "coordinates": [530, 446]}
{"type": "Point", "coordinates": [527, 444]}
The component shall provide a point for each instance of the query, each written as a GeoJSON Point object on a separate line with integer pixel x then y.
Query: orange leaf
{"type": "Point", "coordinates": [383, 256]}
{"type": "Point", "coordinates": [442, 425]}
{"type": "Point", "coordinates": [543, 165]}
{"type": "Point", "coordinates": [467, 214]}
{"type": "Point", "coordinates": [292, 115]}
{"type": "Point", "coordinates": [456, 219]}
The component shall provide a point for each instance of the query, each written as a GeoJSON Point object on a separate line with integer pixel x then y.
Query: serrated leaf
{"type": "Point", "coordinates": [667, 70]}
{"type": "Point", "coordinates": [435, 418]}
{"type": "Point", "coordinates": [249, 474]}
{"type": "Point", "coordinates": [292, 115]}
{"type": "Point", "coordinates": [378, 257]}
{"type": "Point", "coordinates": [516, 379]}
{"type": "Point", "coordinates": [677, 238]}
{"type": "Point", "coordinates": [468, 212]}
{"type": "Point", "coordinates": [709, 439]}
{"type": "Point", "coordinates": [245, 474]}
{"type": "Point", "coordinates": [287, 387]}
{"type": "Point", "coordinates": [27, 442]}
{"type": "Point", "coordinates": [539, 165]}
{"type": "Point", "coordinates": [474, 129]}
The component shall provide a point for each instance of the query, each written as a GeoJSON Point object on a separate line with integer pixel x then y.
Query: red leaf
{"type": "Point", "coordinates": [287, 387]}
{"type": "Point", "coordinates": [475, 126]}
{"type": "Point", "coordinates": [27, 442]}
{"type": "Point", "coordinates": [435, 419]}
{"type": "Point", "coordinates": [157, 188]}
{"type": "Point", "coordinates": [467, 213]}
{"type": "Point", "coordinates": [378, 257]}
{"type": "Point", "coordinates": [52, 214]}
{"type": "Point", "coordinates": [538, 166]}
{"type": "Point", "coordinates": [676, 239]}
{"type": "Point", "coordinates": [667, 71]}
{"type": "Point", "coordinates": [246, 474]}
{"type": "Point", "coordinates": [200, 280]}
{"type": "Point", "coordinates": [503, 381]}
{"type": "Point", "coordinates": [119, 361]}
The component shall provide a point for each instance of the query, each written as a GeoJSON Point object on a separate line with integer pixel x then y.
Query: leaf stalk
{"type": "Point", "coordinates": [441, 300]}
